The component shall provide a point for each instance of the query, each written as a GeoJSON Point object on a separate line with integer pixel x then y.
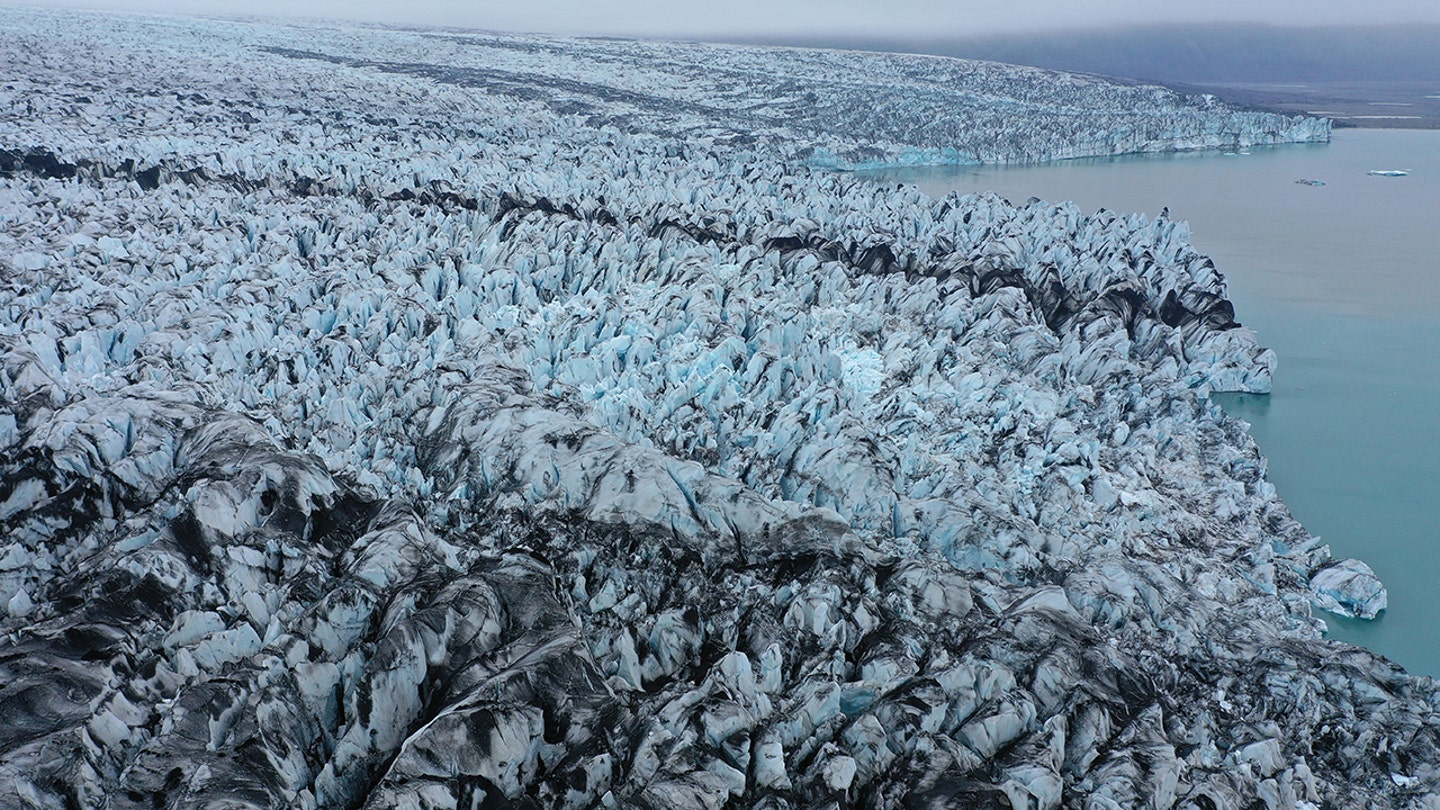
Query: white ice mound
{"type": "Point", "coordinates": [1349, 588]}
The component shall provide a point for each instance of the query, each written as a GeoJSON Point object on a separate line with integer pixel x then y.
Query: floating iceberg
{"type": "Point", "coordinates": [1349, 588]}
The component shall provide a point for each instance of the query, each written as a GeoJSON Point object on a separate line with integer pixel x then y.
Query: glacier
{"type": "Point", "coordinates": [432, 419]}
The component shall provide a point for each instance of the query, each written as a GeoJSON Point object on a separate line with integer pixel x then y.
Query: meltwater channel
{"type": "Point", "coordinates": [1342, 280]}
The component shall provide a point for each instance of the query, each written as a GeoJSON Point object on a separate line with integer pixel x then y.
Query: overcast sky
{"type": "Point", "coordinates": [921, 18]}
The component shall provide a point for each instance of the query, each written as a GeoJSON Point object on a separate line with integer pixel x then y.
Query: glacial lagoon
{"type": "Point", "coordinates": [1342, 280]}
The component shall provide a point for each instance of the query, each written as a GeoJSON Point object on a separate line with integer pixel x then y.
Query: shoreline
{"type": "Point", "coordinates": [1315, 330]}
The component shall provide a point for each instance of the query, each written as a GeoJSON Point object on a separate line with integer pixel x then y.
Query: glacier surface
{"type": "Point", "coordinates": [396, 418]}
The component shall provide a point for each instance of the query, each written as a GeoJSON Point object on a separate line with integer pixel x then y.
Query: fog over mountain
{"type": "Point", "coordinates": [908, 19]}
{"type": "Point", "coordinates": [1220, 52]}
{"type": "Point", "coordinates": [1375, 76]}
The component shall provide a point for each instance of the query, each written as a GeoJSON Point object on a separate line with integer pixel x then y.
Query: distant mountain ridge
{"type": "Point", "coordinates": [1381, 76]}
{"type": "Point", "coordinates": [1196, 53]}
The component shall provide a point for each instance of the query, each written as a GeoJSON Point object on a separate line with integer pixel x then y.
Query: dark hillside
{"type": "Point", "coordinates": [1373, 76]}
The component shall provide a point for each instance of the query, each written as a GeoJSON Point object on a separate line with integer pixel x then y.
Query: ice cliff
{"type": "Point", "coordinates": [398, 419]}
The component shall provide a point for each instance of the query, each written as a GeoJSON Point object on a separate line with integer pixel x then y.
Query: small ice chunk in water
{"type": "Point", "coordinates": [1349, 588]}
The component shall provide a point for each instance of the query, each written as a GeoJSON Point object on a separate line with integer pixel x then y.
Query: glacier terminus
{"type": "Point", "coordinates": [439, 419]}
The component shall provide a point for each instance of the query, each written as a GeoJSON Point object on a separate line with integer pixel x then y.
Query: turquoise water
{"type": "Point", "coordinates": [1343, 281]}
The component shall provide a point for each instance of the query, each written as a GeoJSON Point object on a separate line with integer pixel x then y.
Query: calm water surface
{"type": "Point", "coordinates": [1343, 281]}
